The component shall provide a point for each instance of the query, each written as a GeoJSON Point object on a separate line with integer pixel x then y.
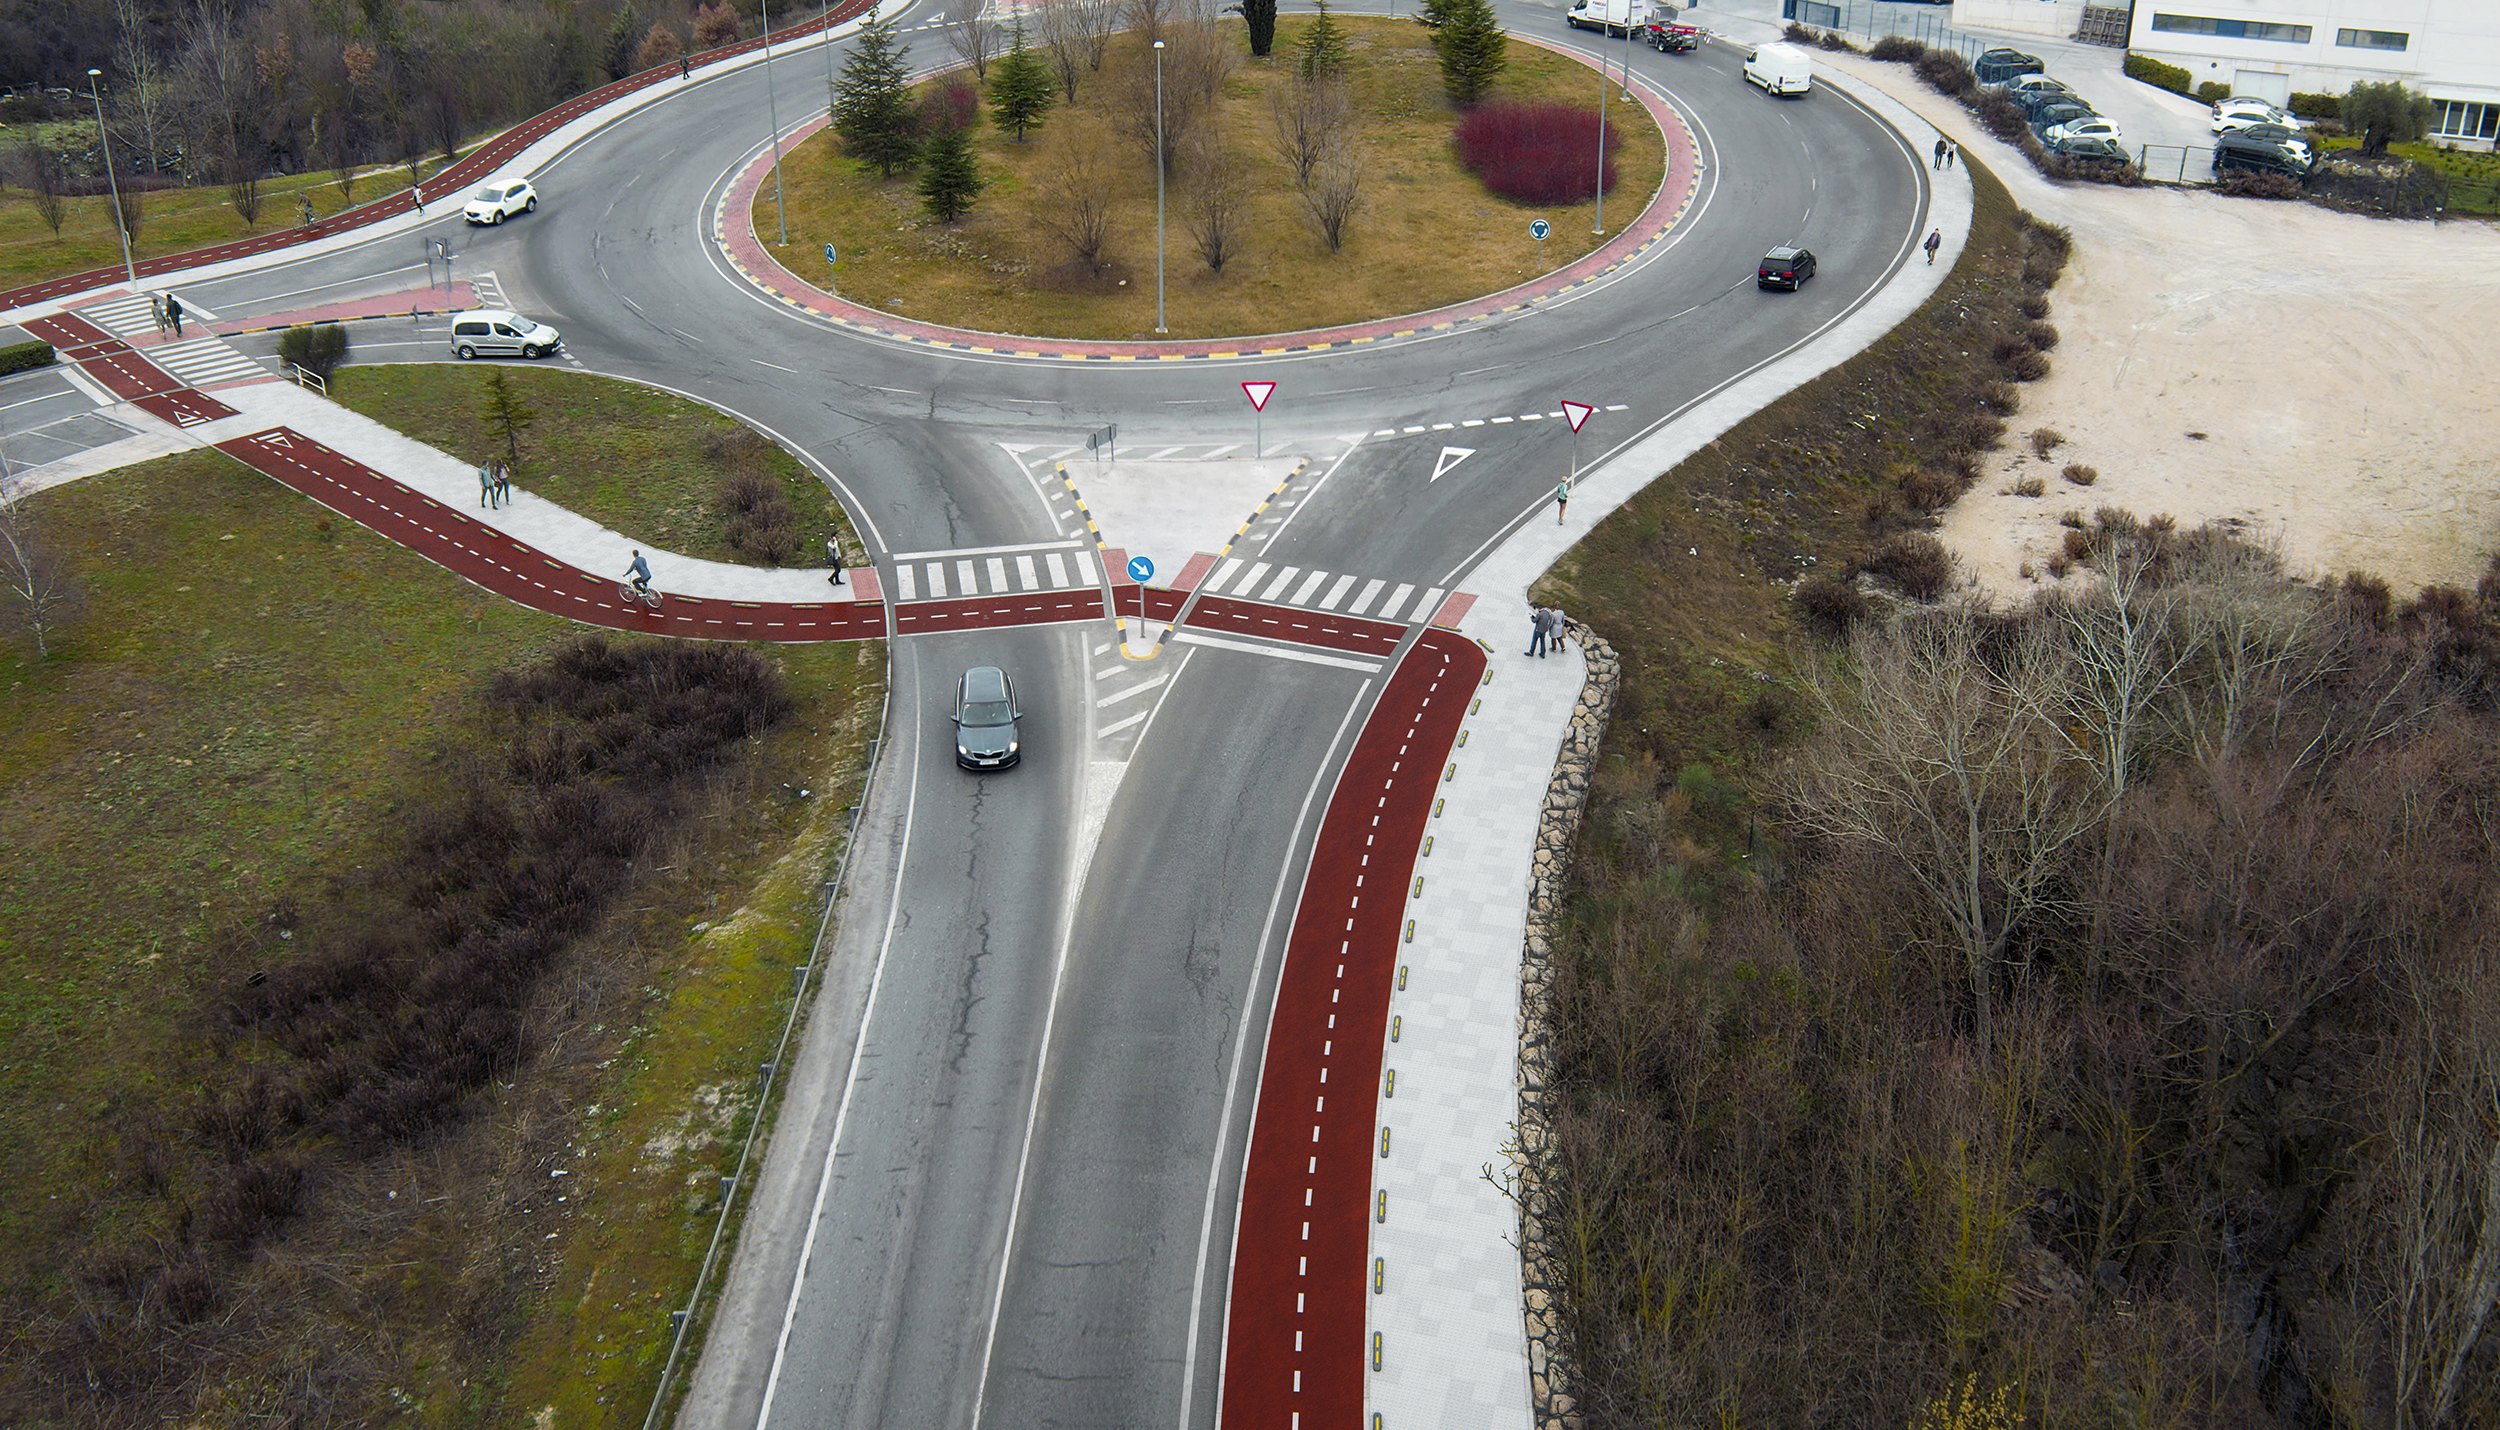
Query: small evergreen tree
{"type": "Point", "coordinates": [1435, 14]}
{"type": "Point", "coordinates": [506, 414]}
{"type": "Point", "coordinates": [872, 108]}
{"type": "Point", "coordinates": [1020, 87]}
{"type": "Point", "coordinates": [2387, 113]}
{"type": "Point", "coordinates": [1260, 16]}
{"type": "Point", "coordinates": [950, 178]}
{"type": "Point", "coordinates": [1473, 51]}
{"type": "Point", "coordinates": [1323, 47]}
{"type": "Point", "coordinates": [617, 55]}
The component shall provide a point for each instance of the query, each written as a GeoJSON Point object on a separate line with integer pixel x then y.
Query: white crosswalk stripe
{"type": "Point", "coordinates": [993, 571]}
{"type": "Point", "coordinates": [207, 362]}
{"type": "Point", "coordinates": [122, 317]}
{"type": "Point", "coordinates": [1319, 590]}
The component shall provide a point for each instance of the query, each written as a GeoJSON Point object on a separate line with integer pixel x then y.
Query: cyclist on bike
{"type": "Point", "coordinates": [640, 570]}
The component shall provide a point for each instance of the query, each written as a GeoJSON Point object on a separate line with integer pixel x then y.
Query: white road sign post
{"type": "Point", "coordinates": [1258, 393]}
{"type": "Point", "coordinates": [1578, 412]}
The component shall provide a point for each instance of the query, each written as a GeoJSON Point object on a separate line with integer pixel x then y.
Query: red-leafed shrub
{"type": "Point", "coordinates": [1536, 153]}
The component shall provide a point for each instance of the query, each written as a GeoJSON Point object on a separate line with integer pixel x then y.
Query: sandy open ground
{"type": "Point", "coordinates": [2341, 371]}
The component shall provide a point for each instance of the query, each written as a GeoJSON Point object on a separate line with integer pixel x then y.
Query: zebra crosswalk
{"type": "Point", "coordinates": [124, 317]}
{"type": "Point", "coordinates": [993, 571]}
{"type": "Point", "coordinates": [207, 362]}
{"type": "Point", "coordinates": [1276, 584]}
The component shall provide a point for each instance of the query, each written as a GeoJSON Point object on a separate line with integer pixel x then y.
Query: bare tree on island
{"type": "Point", "coordinates": [40, 594]}
{"type": "Point", "coordinates": [972, 35]}
{"type": "Point", "coordinates": [1075, 191]}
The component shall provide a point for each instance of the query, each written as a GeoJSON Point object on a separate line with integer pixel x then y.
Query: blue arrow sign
{"type": "Point", "coordinates": [1140, 570]}
{"type": "Point", "coordinates": [829, 249]}
{"type": "Point", "coordinates": [1538, 228]}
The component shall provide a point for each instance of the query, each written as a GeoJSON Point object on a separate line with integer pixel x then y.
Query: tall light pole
{"type": "Point", "coordinates": [128, 268]}
{"type": "Point", "coordinates": [1160, 166]}
{"type": "Point", "coordinates": [772, 107]}
{"type": "Point", "coordinates": [1604, 93]}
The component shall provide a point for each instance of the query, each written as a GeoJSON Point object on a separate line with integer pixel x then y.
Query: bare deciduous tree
{"type": "Point", "coordinates": [1307, 121]}
{"type": "Point", "coordinates": [1078, 34]}
{"type": "Point", "coordinates": [1940, 754]}
{"type": "Point", "coordinates": [1334, 194]}
{"type": "Point", "coordinates": [1074, 194]}
{"type": "Point", "coordinates": [43, 182]}
{"type": "Point", "coordinates": [40, 594]}
{"type": "Point", "coordinates": [1217, 204]}
{"type": "Point", "coordinates": [971, 34]}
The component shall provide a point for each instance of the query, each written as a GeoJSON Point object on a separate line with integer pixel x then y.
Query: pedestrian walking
{"type": "Point", "coordinates": [683, 69]}
{"type": "Point", "coordinates": [1562, 630]}
{"type": "Point", "coordinates": [833, 555]}
{"type": "Point", "coordinates": [1934, 241]}
{"type": "Point", "coordinates": [173, 313]}
{"type": "Point", "coordinates": [1940, 148]}
{"type": "Point", "coordinates": [1952, 151]}
{"type": "Point", "coordinates": [156, 308]}
{"type": "Point", "coordinates": [1536, 631]}
{"type": "Point", "coordinates": [503, 484]}
{"type": "Point", "coordinates": [416, 191]}
{"type": "Point", "coordinates": [485, 484]}
{"type": "Point", "coordinates": [1562, 499]}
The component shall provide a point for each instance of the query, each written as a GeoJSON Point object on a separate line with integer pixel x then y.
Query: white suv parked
{"type": "Point", "coordinates": [499, 332]}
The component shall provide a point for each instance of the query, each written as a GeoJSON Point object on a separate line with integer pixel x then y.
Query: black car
{"type": "Point", "coordinates": [2232, 151]}
{"type": "Point", "coordinates": [985, 720]}
{"type": "Point", "coordinates": [2032, 101]}
{"type": "Point", "coordinates": [2093, 148]}
{"type": "Point", "coordinates": [1784, 267]}
{"type": "Point", "coordinates": [1997, 66]}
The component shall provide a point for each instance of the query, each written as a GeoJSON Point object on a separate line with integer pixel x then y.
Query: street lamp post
{"type": "Point", "coordinates": [772, 108]}
{"type": "Point", "coordinates": [1604, 93]}
{"type": "Point", "coordinates": [128, 268]}
{"type": "Point", "coordinates": [1160, 166]}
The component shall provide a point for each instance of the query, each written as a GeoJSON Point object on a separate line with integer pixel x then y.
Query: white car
{"type": "Point", "coordinates": [2233, 114]}
{"type": "Point", "coordinates": [493, 203]}
{"type": "Point", "coordinates": [500, 332]}
{"type": "Point", "coordinates": [2093, 128]}
{"type": "Point", "coordinates": [2288, 140]}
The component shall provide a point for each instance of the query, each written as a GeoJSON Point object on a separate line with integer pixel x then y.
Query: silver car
{"type": "Point", "coordinates": [500, 332]}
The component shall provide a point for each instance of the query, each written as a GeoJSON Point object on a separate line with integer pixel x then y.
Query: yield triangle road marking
{"type": "Point", "coordinates": [1450, 457]}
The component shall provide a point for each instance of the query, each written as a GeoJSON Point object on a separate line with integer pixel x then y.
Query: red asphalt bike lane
{"type": "Point", "coordinates": [1294, 1351]}
{"type": "Point", "coordinates": [487, 557]}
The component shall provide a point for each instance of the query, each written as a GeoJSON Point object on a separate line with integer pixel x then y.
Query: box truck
{"type": "Point", "coordinates": [1615, 17]}
{"type": "Point", "coordinates": [1780, 69]}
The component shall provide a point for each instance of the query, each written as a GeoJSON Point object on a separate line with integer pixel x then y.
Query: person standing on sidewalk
{"type": "Point", "coordinates": [1536, 631]}
{"type": "Point", "coordinates": [1562, 630]}
{"type": "Point", "coordinates": [1952, 151]}
{"type": "Point", "coordinates": [1562, 499]}
{"type": "Point", "coordinates": [1934, 241]}
{"type": "Point", "coordinates": [1940, 148]}
{"type": "Point", "coordinates": [833, 554]}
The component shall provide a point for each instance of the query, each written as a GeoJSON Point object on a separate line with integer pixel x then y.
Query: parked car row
{"type": "Point", "coordinates": [2259, 136]}
{"type": "Point", "coordinates": [2063, 121]}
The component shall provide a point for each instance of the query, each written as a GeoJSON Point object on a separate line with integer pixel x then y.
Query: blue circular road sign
{"type": "Point", "coordinates": [1538, 228]}
{"type": "Point", "coordinates": [1140, 570]}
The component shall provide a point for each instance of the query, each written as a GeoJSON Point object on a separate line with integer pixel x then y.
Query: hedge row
{"type": "Point", "coordinates": [23, 357]}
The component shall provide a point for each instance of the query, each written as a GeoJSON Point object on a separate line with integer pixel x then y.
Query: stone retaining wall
{"type": "Point", "coordinates": [1551, 1372]}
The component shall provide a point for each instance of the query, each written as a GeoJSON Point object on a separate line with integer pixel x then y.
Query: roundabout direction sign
{"type": "Point", "coordinates": [1537, 229]}
{"type": "Point", "coordinates": [1140, 569]}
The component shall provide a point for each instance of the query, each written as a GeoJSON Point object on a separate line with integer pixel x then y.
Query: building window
{"type": "Point", "coordinates": [2232, 29]}
{"type": "Point", "coordinates": [2459, 119]}
{"type": "Point", "coordinates": [2372, 39]}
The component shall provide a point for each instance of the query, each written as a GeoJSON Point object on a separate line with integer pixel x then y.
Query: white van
{"type": "Point", "coordinates": [1780, 69]}
{"type": "Point", "coordinates": [1616, 17]}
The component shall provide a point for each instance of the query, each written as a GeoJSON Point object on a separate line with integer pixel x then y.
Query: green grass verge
{"type": "Point", "coordinates": [642, 463]}
{"type": "Point", "coordinates": [254, 691]}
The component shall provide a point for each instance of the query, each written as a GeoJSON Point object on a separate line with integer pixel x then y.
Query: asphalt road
{"type": "Point", "coordinates": [1001, 1190]}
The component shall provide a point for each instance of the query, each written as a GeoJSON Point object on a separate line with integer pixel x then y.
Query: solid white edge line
{"type": "Point", "coordinates": [850, 1078]}
{"type": "Point", "coordinates": [1185, 636]}
{"type": "Point", "coordinates": [1232, 1080]}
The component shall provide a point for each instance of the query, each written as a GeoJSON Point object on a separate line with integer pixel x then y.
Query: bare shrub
{"type": "Point", "coordinates": [1928, 489]}
{"type": "Point", "coordinates": [2040, 335]}
{"type": "Point", "coordinates": [2079, 474]}
{"type": "Point", "coordinates": [1075, 193]}
{"type": "Point", "coordinates": [2031, 487]}
{"type": "Point", "coordinates": [1898, 49]}
{"type": "Point", "coordinates": [1916, 563]}
{"type": "Point", "coordinates": [2033, 306]}
{"type": "Point", "coordinates": [2044, 440]}
{"type": "Point", "coordinates": [2030, 366]}
{"type": "Point", "coordinates": [1829, 606]}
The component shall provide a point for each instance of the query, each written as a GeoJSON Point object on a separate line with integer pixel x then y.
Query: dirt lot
{"type": "Point", "coordinates": [2326, 379]}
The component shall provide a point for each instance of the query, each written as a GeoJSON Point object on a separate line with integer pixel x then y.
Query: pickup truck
{"type": "Point", "coordinates": [1670, 38]}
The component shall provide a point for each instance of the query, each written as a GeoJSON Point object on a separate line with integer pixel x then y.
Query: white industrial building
{"type": "Point", "coordinates": [2448, 49]}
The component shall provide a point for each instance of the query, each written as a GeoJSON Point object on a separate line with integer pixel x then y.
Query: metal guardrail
{"type": "Point", "coordinates": [682, 1322]}
{"type": "Point", "coordinates": [306, 377]}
